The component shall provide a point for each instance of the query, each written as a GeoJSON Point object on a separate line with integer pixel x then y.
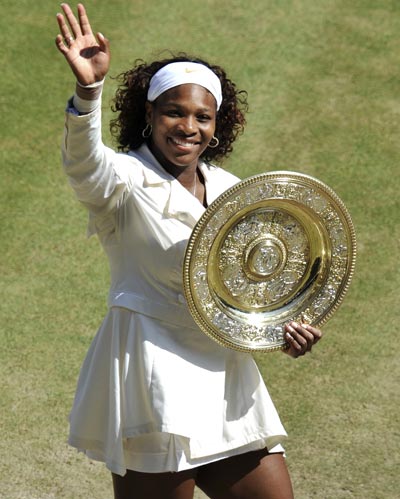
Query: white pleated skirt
{"type": "Point", "coordinates": [156, 397]}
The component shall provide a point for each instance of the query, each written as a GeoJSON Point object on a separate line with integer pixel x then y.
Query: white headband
{"type": "Point", "coordinates": [179, 73]}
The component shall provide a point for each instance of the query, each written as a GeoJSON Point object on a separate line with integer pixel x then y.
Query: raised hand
{"type": "Point", "coordinates": [87, 55]}
{"type": "Point", "coordinates": [301, 338]}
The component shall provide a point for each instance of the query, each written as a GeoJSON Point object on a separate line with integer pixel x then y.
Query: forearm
{"type": "Point", "coordinates": [87, 162]}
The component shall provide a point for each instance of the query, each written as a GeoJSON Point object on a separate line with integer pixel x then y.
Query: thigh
{"type": "Point", "coordinates": [137, 485]}
{"type": "Point", "coordinates": [253, 475]}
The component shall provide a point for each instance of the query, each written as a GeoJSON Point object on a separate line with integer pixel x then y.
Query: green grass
{"type": "Point", "coordinates": [323, 86]}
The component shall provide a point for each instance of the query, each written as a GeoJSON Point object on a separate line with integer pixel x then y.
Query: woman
{"type": "Point", "coordinates": [160, 403]}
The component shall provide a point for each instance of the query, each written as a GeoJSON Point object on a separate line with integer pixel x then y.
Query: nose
{"type": "Point", "coordinates": [187, 125]}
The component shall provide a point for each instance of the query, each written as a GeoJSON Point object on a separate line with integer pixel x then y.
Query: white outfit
{"type": "Point", "coordinates": [155, 393]}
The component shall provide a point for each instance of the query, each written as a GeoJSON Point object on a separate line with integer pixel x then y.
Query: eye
{"type": "Point", "coordinates": [204, 118]}
{"type": "Point", "coordinates": [172, 113]}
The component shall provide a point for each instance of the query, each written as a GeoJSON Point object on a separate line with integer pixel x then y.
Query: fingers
{"type": "Point", "coordinates": [63, 40]}
{"type": "Point", "coordinates": [73, 29]}
{"type": "Point", "coordinates": [317, 333]}
{"type": "Point", "coordinates": [301, 338]}
{"type": "Point", "coordinates": [72, 21]}
{"type": "Point", "coordinates": [84, 20]}
{"type": "Point", "coordinates": [60, 44]}
{"type": "Point", "coordinates": [298, 339]}
{"type": "Point", "coordinates": [104, 43]}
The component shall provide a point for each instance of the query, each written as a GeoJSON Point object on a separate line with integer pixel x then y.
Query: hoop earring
{"type": "Point", "coordinates": [215, 144]}
{"type": "Point", "coordinates": [147, 131]}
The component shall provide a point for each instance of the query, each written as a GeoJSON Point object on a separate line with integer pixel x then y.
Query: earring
{"type": "Point", "coordinates": [147, 131]}
{"type": "Point", "coordinates": [215, 144]}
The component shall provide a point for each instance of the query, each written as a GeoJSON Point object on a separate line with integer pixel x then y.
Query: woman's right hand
{"type": "Point", "coordinates": [87, 55]}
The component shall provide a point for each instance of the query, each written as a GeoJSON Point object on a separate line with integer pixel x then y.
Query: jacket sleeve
{"type": "Point", "coordinates": [90, 165]}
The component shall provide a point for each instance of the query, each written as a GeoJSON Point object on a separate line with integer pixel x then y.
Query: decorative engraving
{"type": "Point", "coordinates": [265, 258]}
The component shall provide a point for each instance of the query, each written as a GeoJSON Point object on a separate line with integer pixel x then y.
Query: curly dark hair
{"type": "Point", "coordinates": [131, 97]}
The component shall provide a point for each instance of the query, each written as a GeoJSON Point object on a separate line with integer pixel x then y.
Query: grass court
{"type": "Point", "coordinates": [323, 86]}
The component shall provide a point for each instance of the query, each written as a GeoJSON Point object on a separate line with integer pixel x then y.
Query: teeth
{"type": "Point", "coordinates": [183, 143]}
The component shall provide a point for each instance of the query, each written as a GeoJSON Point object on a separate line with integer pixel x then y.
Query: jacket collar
{"type": "Point", "coordinates": [180, 203]}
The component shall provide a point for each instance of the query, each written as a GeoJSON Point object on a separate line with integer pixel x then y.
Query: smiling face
{"type": "Point", "coordinates": [183, 121]}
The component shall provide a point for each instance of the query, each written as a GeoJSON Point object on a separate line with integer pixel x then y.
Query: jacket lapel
{"type": "Point", "coordinates": [180, 204]}
{"type": "Point", "coordinates": [183, 205]}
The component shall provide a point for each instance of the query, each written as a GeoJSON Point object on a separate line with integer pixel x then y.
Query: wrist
{"type": "Point", "coordinates": [87, 98]}
{"type": "Point", "coordinates": [89, 92]}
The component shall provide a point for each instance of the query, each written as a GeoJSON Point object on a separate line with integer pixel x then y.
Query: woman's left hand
{"type": "Point", "coordinates": [301, 338]}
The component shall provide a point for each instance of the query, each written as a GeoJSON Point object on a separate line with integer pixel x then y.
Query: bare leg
{"type": "Point", "coordinates": [136, 485]}
{"type": "Point", "coordinates": [253, 475]}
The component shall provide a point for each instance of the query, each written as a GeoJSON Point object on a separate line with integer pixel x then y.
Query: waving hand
{"type": "Point", "coordinates": [87, 55]}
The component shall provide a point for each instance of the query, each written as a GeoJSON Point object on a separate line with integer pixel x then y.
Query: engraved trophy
{"type": "Point", "coordinates": [275, 247]}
